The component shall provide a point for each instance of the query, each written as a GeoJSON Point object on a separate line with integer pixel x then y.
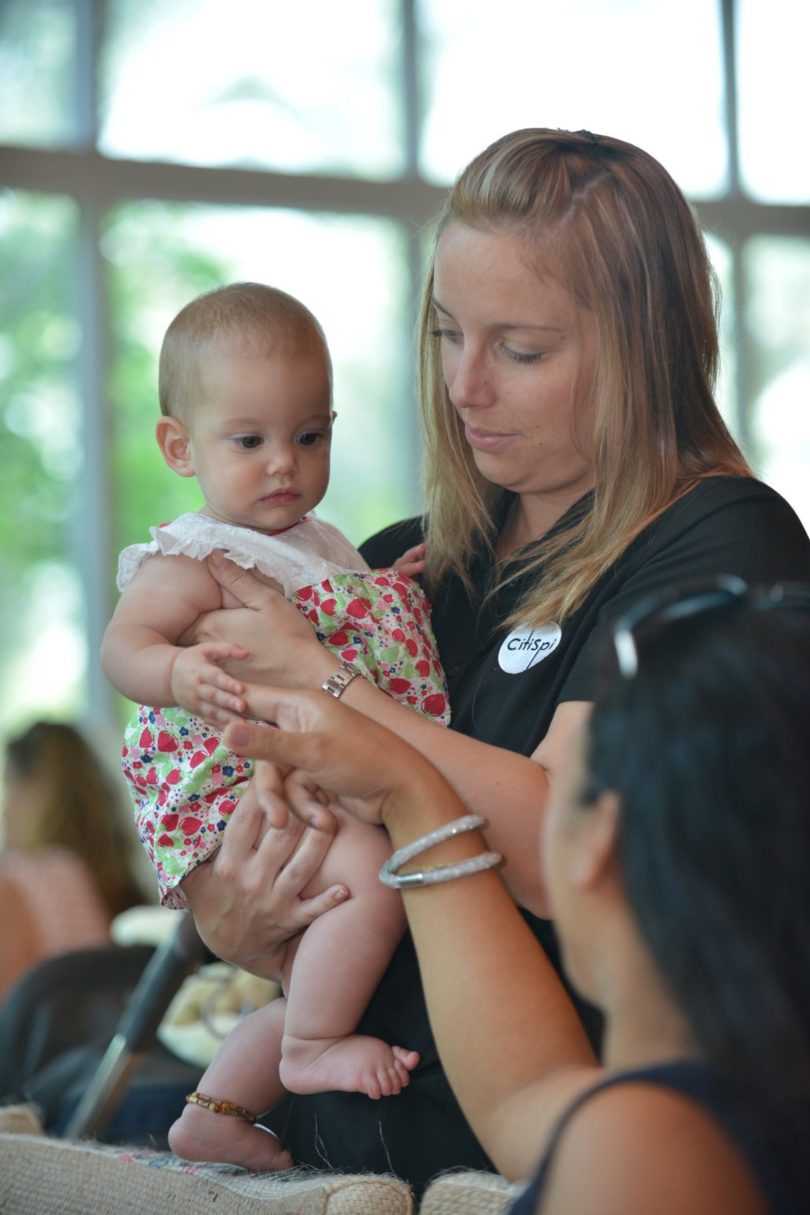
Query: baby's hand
{"type": "Point", "coordinates": [200, 685]}
{"type": "Point", "coordinates": [411, 562]}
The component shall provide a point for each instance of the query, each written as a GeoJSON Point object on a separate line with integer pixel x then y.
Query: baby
{"type": "Point", "coordinates": [246, 402]}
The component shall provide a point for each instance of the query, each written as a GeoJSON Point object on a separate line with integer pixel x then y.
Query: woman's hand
{"type": "Point", "coordinates": [281, 643]}
{"type": "Point", "coordinates": [247, 900]}
{"type": "Point", "coordinates": [331, 754]}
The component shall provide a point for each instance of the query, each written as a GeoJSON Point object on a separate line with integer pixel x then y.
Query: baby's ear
{"type": "Point", "coordinates": [175, 445]}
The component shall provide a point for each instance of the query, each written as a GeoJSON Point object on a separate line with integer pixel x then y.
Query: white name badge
{"type": "Point", "coordinates": [525, 647]}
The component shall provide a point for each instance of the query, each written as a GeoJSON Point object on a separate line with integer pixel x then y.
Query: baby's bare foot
{"type": "Point", "coordinates": [200, 1134]}
{"type": "Point", "coordinates": [355, 1064]}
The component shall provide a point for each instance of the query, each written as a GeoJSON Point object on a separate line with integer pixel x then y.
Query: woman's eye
{"type": "Point", "coordinates": [249, 442]}
{"type": "Point", "coordinates": [447, 335]}
{"type": "Point", "coordinates": [520, 356]}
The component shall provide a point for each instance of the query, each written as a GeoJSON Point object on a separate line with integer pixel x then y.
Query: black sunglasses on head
{"type": "Point", "coordinates": [689, 600]}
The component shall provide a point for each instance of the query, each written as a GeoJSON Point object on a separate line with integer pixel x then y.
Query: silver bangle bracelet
{"type": "Point", "coordinates": [390, 875]}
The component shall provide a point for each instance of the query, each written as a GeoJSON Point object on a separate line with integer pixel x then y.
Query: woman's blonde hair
{"type": "Point", "coordinates": [607, 221]}
{"type": "Point", "coordinates": [71, 802]}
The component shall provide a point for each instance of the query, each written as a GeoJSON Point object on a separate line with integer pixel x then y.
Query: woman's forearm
{"type": "Point", "coordinates": [509, 1039]}
{"type": "Point", "coordinates": [508, 790]}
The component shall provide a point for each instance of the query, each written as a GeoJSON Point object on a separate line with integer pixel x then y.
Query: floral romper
{"type": "Point", "coordinates": [184, 782]}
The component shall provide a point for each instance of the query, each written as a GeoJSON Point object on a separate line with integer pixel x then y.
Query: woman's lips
{"type": "Point", "coordinates": [485, 440]}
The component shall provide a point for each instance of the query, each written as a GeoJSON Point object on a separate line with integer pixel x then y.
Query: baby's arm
{"type": "Point", "coordinates": [139, 652]}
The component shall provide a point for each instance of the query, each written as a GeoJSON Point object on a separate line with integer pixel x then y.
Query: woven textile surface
{"type": "Point", "coordinates": [469, 1193]}
{"type": "Point", "coordinates": [41, 1176]}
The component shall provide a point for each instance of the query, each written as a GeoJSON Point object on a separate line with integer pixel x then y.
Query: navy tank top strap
{"type": "Point", "coordinates": [776, 1155]}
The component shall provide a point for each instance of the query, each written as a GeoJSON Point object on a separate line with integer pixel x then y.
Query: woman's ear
{"type": "Point", "coordinates": [174, 442]}
{"type": "Point", "coordinates": [597, 842]}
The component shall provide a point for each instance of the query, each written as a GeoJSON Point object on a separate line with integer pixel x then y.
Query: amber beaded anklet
{"type": "Point", "coordinates": [220, 1107]}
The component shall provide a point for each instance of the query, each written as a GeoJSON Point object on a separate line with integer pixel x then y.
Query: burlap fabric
{"type": "Point", "coordinates": [469, 1193]}
{"type": "Point", "coordinates": [41, 1176]}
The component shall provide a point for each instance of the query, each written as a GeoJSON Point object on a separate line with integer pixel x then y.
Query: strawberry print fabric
{"type": "Point", "coordinates": [184, 784]}
{"type": "Point", "coordinates": [183, 780]}
{"type": "Point", "coordinates": [380, 622]}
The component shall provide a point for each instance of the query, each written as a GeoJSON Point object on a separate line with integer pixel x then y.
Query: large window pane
{"type": "Point", "coordinates": [42, 645]}
{"type": "Point", "coordinates": [37, 47]}
{"type": "Point", "coordinates": [640, 70]}
{"type": "Point", "coordinates": [777, 274]}
{"type": "Point", "coordinates": [349, 271]}
{"type": "Point", "coordinates": [297, 87]}
{"type": "Point", "coordinates": [774, 86]}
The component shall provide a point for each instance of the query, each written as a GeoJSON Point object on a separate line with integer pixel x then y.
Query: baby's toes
{"type": "Point", "coordinates": [389, 1085]}
{"type": "Point", "coordinates": [408, 1058]}
{"type": "Point", "coordinates": [372, 1087]}
{"type": "Point", "coordinates": [403, 1075]}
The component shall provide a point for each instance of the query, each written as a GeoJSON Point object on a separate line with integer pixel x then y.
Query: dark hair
{"type": "Point", "coordinates": [708, 747]}
{"type": "Point", "coordinates": [73, 803]}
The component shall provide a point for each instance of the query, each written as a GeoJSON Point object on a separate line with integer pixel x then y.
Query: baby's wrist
{"type": "Point", "coordinates": [174, 677]}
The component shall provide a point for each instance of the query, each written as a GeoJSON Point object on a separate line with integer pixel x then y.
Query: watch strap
{"type": "Point", "coordinates": [339, 680]}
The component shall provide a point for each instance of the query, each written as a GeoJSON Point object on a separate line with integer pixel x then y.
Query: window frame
{"type": "Point", "coordinates": [98, 183]}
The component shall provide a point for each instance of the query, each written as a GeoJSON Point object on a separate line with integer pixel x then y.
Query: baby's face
{"type": "Point", "coordinates": [260, 433]}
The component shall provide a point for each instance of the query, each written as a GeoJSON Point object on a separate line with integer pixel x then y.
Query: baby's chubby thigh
{"type": "Point", "coordinates": [372, 920]}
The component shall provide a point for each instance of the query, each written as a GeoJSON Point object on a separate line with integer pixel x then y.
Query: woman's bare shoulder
{"type": "Point", "coordinates": [637, 1147]}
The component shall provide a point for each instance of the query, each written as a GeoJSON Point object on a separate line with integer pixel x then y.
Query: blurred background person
{"type": "Point", "coordinates": [68, 862]}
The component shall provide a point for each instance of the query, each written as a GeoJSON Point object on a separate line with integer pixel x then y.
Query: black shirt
{"type": "Point", "coordinates": [504, 690]}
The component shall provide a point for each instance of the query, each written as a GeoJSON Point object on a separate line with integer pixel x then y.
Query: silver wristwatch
{"type": "Point", "coordinates": [338, 682]}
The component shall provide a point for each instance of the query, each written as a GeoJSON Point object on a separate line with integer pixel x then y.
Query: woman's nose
{"type": "Point", "coordinates": [469, 383]}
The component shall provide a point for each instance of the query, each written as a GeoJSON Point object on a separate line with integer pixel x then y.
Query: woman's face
{"type": "Point", "coordinates": [518, 355]}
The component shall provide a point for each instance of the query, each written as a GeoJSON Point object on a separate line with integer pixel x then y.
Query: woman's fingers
{"type": "Point", "coordinates": [302, 866]}
{"type": "Point", "coordinates": [345, 753]}
{"type": "Point", "coordinates": [241, 583]}
{"type": "Point", "coordinates": [248, 899]}
{"type": "Point", "coordinates": [268, 785]}
{"type": "Point", "coordinates": [280, 642]}
{"type": "Point", "coordinates": [308, 910]}
{"type": "Point", "coordinates": [308, 802]}
{"type": "Point", "coordinates": [290, 745]}
{"type": "Point", "coordinates": [244, 832]}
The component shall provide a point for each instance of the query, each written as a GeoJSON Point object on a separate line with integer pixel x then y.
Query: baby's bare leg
{"type": "Point", "coordinates": [337, 966]}
{"type": "Point", "coordinates": [245, 1071]}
